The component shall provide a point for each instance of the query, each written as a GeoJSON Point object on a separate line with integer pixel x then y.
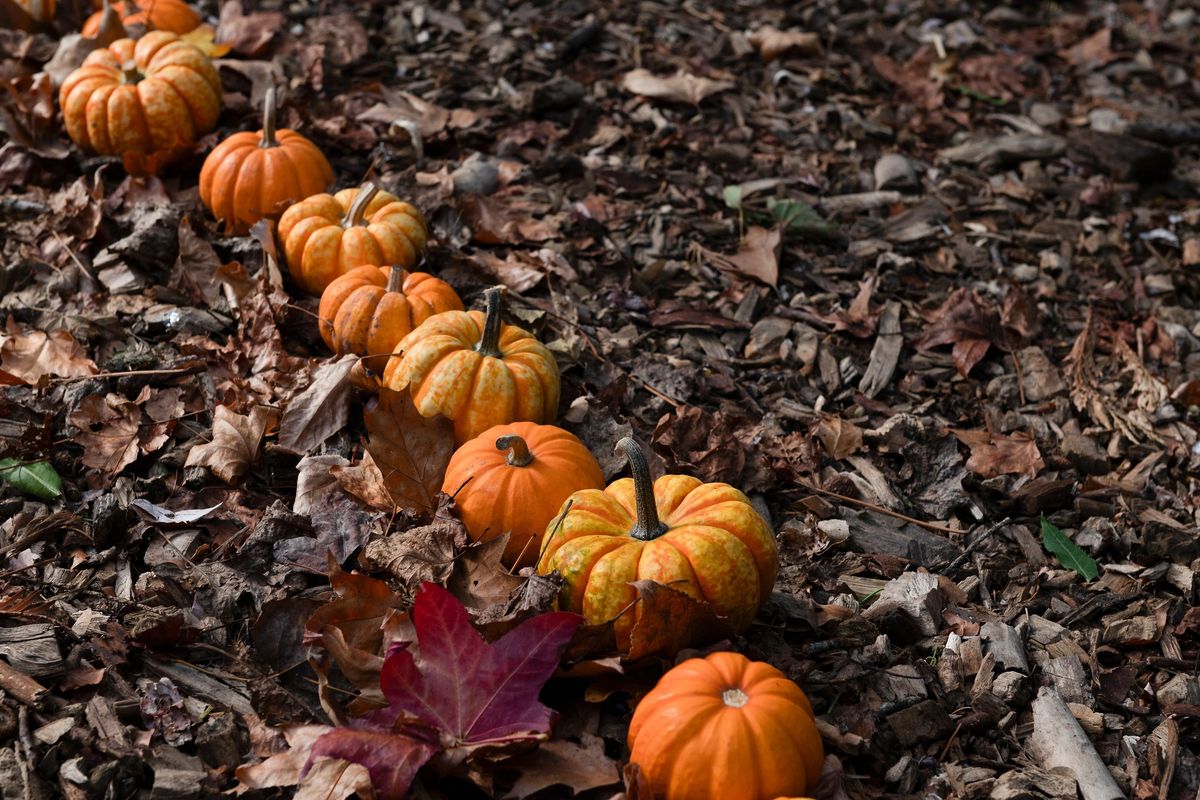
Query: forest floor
{"type": "Point", "coordinates": [922, 279]}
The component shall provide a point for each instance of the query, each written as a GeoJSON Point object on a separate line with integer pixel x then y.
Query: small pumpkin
{"type": "Point", "coordinates": [513, 478]}
{"type": "Point", "coordinates": [370, 309]}
{"type": "Point", "coordinates": [152, 95]}
{"type": "Point", "coordinates": [725, 726]}
{"type": "Point", "coordinates": [326, 236]}
{"type": "Point", "coordinates": [479, 372]}
{"type": "Point", "coordinates": [173, 16]}
{"type": "Point", "coordinates": [703, 539]}
{"type": "Point", "coordinates": [254, 175]}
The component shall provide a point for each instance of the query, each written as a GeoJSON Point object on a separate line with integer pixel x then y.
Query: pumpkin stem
{"type": "Point", "coordinates": [489, 343]}
{"type": "Point", "coordinates": [648, 526]}
{"type": "Point", "coordinates": [359, 207]}
{"type": "Point", "coordinates": [518, 450]}
{"type": "Point", "coordinates": [130, 73]}
{"type": "Point", "coordinates": [268, 126]}
{"type": "Point", "coordinates": [734, 698]}
{"type": "Point", "coordinates": [396, 276]}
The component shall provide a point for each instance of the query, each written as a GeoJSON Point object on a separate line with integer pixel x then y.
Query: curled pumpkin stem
{"type": "Point", "coordinates": [518, 450]}
{"type": "Point", "coordinates": [268, 125]}
{"type": "Point", "coordinates": [489, 342]}
{"type": "Point", "coordinates": [358, 208]}
{"type": "Point", "coordinates": [648, 526]}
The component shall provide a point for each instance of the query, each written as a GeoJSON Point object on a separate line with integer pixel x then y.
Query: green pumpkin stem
{"type": "Point", "coordinates": [489, 343]}
{"type": "Point", "coordinates": [518, 450]}
{"type": "Point", "coordinates": [396, 276]}
{"type": "Point", "coordinates": [358, 208]}
{"type": "Point", "coordinates": [648, 526]}
{"type": "Point", "coordinates": [268, 125]}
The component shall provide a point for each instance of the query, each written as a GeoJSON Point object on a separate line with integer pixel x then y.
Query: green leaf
{"type": "Point", "coordinates": [1068, 552]}
{"type": "Point", "coordinates": [37, 478]}
{"type": "Point", "coordinates": [733, 196]}
{"type": "Point", "coordinates": [801, 219]}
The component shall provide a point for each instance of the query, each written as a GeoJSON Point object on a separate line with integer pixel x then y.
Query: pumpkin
{"type": "Point", "coordinates": [152, 95]}
{"type": "Point", "coordinates": [513, 478]}
{"type": "Point", "coordinates": [254, 175]}
{"type": "Point", "coordinates": [468, 366]}
{"type": "Point", "coordinates": [703, 539]}
{"type": "Point", "coordinates": [370, 309]}
{"type": "Point", "coordinates": [326, 236]}
{"type": "Point", "coordinates": [725, 726]}
{"type": "Point", "coordinates": [174, 16]}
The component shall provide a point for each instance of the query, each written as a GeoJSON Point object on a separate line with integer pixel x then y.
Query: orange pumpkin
{"type": "Point", "coordinates": [370, 309]}
{"type": "Point", "coordinates": [326, 236]}
{"type": "Point", "coordinates": [250, 176]}
{"type": "Point", "coordinates": [704, 539]}
{"type": "Point", "coordinates": [153, 95]}
{"type": "Point", "coordinates": [468, 366]}
{"type": "Point", "coordinates": [725, 726]}
{"type": "Point", "coordinates": [173, 16]}
{"type": "Point", "coordinates": [513, 478]}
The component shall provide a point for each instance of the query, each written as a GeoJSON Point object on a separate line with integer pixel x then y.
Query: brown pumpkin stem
{"type": "Point", "coordinates": [268, 126]}
{"type": "Point", "coordinates": [131, 74]}
{"type": "Point", "coordinates": [489, 343]}
{"type": "Point", "coordinates": [359, 207]}
{"type": "Point", "coordinates": [396, 276]}
{"type": "Point", "coordinates": [648, 525]}
{"type": "Point", "coordinates": [518, 450]}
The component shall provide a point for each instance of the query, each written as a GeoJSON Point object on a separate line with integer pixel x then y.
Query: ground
{"type": "Point", "coordinates": [920, 279]}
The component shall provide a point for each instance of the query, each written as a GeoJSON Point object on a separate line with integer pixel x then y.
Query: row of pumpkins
{"type": "Point", "coordinates": [513, 472]}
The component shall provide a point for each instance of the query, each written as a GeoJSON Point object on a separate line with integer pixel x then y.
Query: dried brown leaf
{"type": "Point", "coordinates": [670, 621]}
{"type": "Point", "coordinates": [30, 356]}
{"type": "Point", "coordinates": [995, 454]}
{"type": "Point", "coordinates": [773, 43]}
{"type": "Point", "coordinates": [424, 553]}
{"type": "Point", "coordinates": [109, 431]}
{"type": "Point", "coordinates": [839, 437]}
{"type": "Point", "coordinates": [247, 34]}
{"type": "Point", "coordinates": [682, 87]}
{"type": "Point", "coordinates": [479, 580]}
{"type": "Point", "coordinates": [235, 442]}
{"type": "Point", "coordinates": [319, 411]}
{"type": "Point", "coordinates": [579, 765]}
{"type": "Point", "coordinates": [411, 451]}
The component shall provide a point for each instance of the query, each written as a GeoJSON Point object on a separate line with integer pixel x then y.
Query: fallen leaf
{"type": "Point", "coordinates": [479, 580]}
{"type": "Point", "coordinates": [995, 454]}
{"type": "Point", "coordinates": [512, 271]}
{"type": "Point", "coordinates": [1093, 52]}
{"type": "Point", "coordinates": [165, 516]}
{"type": "Point", "coordinates": [235, 442]}
{"type": "Point", "coordinates": [196, 267]}
{"type": "Point", "coordinates": [966, 321]}
{"type": "Point", "coordinates": [319, 411]}
{"type": "Point", "coordinates": [757, 256]}
{"type": "Point", "coordinates": [579, 765]}
{"type": "Point", "coordinates": [363, 619]}
{"type": "Point", "coordinates": [1067, 552]}
{"type": "Point", "coordinates": [282, 768]}
{"type": "Point", "coordinates": [773, 43]}
{"type": "Point", "coordinates": [247, 34]}
{"type": "Point", "coordinates": [411, 451]}
{"type": "Point", "coordinates": [110, 431]}
{"type": "Point", "coordinates": [37, 478]}
{"type": "Point", "coordinates": [315, 478]}
{"type": "Point", "coordinates": [30, 356]}
{"type": "Point", "coordinates": [342, 526]}
{"type": "Point", "coordinates": [203, 38]}
{"type": "Point", "coordinates": [424, 553]}
{"type": "Point", "coordinates": [365, 481]}
{"type": "Point", "coordinates": [682, 87]}
{"type": "Point", "coordinates": [670, 621]}
{"type": "Point", "coordinates": [463, 697]}
{"type": "Point", "coordinates": [839, 437]}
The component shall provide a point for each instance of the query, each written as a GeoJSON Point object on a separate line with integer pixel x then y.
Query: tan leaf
{"type": "Point", "coordinates": [411, 451]}
{"type": "Point", "coordinates": [424, 553]}
{"type": "Point", "coordinates": [995, 454]}
{"type": "Point", "coordinates": [319, 411]}
{"type": "Point", "coordinates": [31, 355]}
{"type": "Point", "coordinates": [557, 762]}
{"type": "Point", "coordinates": [365, 481]}
{"type": "Point", "coordinates": [773, 43]}
{"type": "Point", "coordinates": [109, 431]}
{"type": "Point", "coordinates": [682, 87]}
{"type": "Point", "coordinates": [283, 768]}
{"type": "Point", "coordinates": [235, 442]}
{"type": "Point", "coordinates": [758, 255]}
{"type": "Point", "coordinates": [479, 580]}
{"type": "Point", "coordinates": [839, 437]}
{"type": "Point", "coordinates": [671, 620]}
{"type": "Point", "coordinates": [315, 479]}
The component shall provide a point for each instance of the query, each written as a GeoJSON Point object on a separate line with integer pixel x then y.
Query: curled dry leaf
{"type": "Point", "coordinates": [247, 34]}
{"type": "Point", "coordinates": [410, 451]}
{"type": "Point", "coordinates": [757, 256]}
{"type": "Point", "coordinates": [113, 433]}
{"type": "Point", "coordinates": [995, 454]}
{"type": "Point", "coordinates": [682, 87]}
{"type": "Point", "coordinates": [32, 355]}
{"type": "Point", "coordinates": [672, 620]}
{"type": "Point", "coordinates": [424, 553]}
{"type": "Point", "coordinates": [773, 43]}
{"type": "Point", "coordinates": [319, 411]}
{"type": "Point", "coordinates": [839, 437]}
{"type": "Point", "coordinates": [235, 442]}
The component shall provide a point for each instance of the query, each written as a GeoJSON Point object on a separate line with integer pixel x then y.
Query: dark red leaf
{"type": "Point", "coordinates": [390, 759]}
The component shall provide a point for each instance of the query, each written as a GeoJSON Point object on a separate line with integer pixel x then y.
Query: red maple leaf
{"type": "Point", "coordinates": [462, 695]}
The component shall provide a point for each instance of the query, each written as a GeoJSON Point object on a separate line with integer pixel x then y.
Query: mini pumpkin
{"type": "Point", "coordinates": [326, 236]}
{"type": "Point", "coordinates": [479, 372]}
{"type": "Point", "coordinates": [153, 95]}
{"type": "Point", "coordinates": [703, 539]}
{"type": "Point", "coordinates": [513, 478]}
{"type": "Point", "coordinates": [173, 16]}
{"type": "Point", "coordinates": [370, 309]}
{"type": "Point", "coordinates": [250, 176]}
{"type": "Point", "coordinates": [725, 726]}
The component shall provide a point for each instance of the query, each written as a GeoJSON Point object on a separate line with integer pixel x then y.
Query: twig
{"type": "Point", "coordinates": [880, 509]}
{"type": "Point", "coordinates": [972, 546]}
{"type": "Point", "coordinates": [21, 686]}
{"type": "Point", "coordinates": [129, 373]}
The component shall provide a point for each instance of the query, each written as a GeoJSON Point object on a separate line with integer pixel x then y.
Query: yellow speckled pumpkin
{"type": "Point", "coordinates": [326, 236]}
{"type": "Point", "coordinates": [153, 95]}
{"type": "Point", "coordinates": [471, 368]}
{"type": "Point", "coordinates": [726, 727]}
{"type": "Point", "coordinates": [173, 16]}
{"type": "Point", "coordinates": [704, 539]}
{"type": "Point", "coordinates": [513, 478]}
